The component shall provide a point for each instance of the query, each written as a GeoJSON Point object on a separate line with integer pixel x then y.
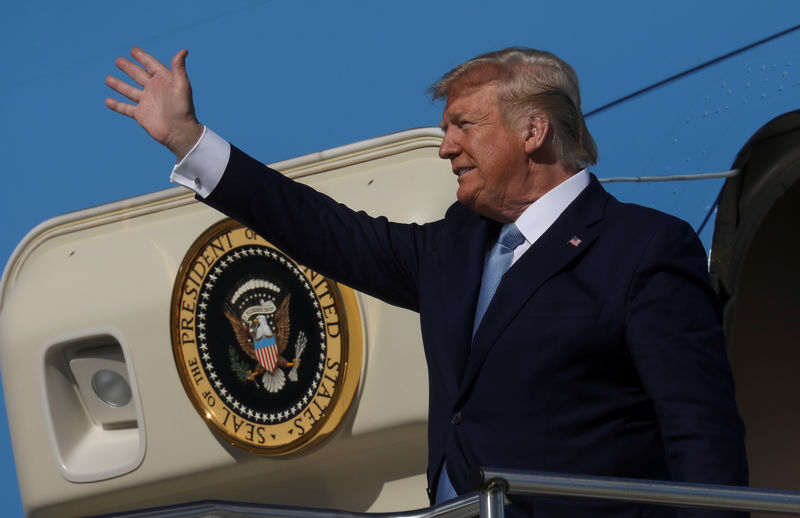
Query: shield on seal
{"type": "Point", "coordinates": [267, 352]}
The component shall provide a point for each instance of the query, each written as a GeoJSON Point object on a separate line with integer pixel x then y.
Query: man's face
{"type": "Point", "coordinates": [488, 158]}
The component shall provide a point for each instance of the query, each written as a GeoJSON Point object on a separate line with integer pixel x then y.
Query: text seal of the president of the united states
{"type": "Point", "coordinates": [268, 350]}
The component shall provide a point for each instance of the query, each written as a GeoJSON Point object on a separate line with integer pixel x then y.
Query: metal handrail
{"type": "Point", "coordinates": [495, 483]}
{"type": "Point", "coordinates": [466, 506]}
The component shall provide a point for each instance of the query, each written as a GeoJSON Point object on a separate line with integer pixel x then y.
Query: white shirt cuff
{"type": "Point", "coordinates": [202, 168]}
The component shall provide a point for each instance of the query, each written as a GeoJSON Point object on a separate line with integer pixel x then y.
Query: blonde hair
{"type": "Point", "coordinates": [531, 82]}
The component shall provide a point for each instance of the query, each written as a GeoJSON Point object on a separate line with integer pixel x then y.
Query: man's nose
{"type": "Point", "coordinates": [448, 149]}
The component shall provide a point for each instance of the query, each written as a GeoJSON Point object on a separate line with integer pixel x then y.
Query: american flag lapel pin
{"type": "Point", "coordinates": [575, 241]}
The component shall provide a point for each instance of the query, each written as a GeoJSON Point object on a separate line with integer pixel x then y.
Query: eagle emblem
{"type": "Point", "coordinates": [262, 332]}
{"type": "Point", "coordinates": [242, 315]}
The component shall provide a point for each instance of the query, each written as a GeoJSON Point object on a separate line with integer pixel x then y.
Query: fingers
{"type": "Point", "coordinates": [179, 61]}
{"type": "Point", "coordinates": [141, 74]}
{"type": "Point", "coordinates": [134, 94]}
{"type": "Point", "coordinates": [126, 90]}
{"type": "Point", "coordinates": [133, 70]}
{"type": "Point", "coordinates": [150, 63]}
{"type": "Point", "coordinates": [162, 102]}
{"type": "Point", "coordinates": [120, 107]}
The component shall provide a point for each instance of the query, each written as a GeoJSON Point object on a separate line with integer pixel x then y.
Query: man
{"type": "Point", "coordinates": [564, 331]}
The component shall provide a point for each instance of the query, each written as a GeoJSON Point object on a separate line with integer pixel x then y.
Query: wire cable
{"type": "Point", "coordinates": [692, 70]}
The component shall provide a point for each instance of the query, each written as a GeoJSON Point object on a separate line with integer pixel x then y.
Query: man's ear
{"type": "Point", "coordinates": [537, 133]}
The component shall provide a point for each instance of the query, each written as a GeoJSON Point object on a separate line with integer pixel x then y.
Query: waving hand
{"type": "Point", "coordinates": [163, 105]}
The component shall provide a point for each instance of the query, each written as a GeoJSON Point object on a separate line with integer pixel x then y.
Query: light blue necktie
{"type": "Point", "coordinates": [496, 265]}
{"type": "Point", "coordinates": [493, 269]}
{"type": "Point", "coordinates": [444, 489]}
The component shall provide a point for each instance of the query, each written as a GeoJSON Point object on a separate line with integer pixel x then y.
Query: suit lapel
{"type": "Point", "coordinates": [462, 278]}
{"type": "Point", "coordinates": [546, 257]}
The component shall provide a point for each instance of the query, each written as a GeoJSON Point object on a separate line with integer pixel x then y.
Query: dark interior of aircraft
{"type": "Point", "coordinates": [754, 260]}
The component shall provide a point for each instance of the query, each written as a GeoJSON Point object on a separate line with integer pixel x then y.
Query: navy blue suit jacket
{"type": "Point", "coordinates": [602, 357]}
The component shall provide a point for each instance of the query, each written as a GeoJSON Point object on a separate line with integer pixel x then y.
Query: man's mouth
{"type": "Point", "coordinates": [462, 170]}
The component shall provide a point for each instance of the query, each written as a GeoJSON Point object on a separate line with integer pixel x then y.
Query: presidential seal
{"type": "Point", "coordinates": [268, 351]}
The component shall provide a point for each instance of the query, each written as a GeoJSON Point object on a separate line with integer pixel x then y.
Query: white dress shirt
{"type": "Point", "coordinates": [542, 213]}
{"type": "Point", "coordinates": [202, 167]}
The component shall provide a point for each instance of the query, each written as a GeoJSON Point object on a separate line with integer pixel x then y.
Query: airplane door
{"type": "Point", "coordinates": [755, 256]}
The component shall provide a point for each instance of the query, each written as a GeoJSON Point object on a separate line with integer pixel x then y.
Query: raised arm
{"type": "Point", "coordinates": [163, 105]}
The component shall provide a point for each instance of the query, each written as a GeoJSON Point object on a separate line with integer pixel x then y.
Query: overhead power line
{"type": "Point", "coordinates": [691, 70]}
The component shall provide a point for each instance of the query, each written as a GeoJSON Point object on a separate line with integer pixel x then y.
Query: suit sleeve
{"type": "Point", "coordinates": [676, 341]}
{"type": "Point", "coordinates": [369, 254]}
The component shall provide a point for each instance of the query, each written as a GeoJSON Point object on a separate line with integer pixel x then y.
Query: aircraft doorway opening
{"type": "Point", "coordinates": [754, 264]}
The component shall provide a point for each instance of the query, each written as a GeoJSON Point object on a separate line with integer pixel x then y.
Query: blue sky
{"type": "Point", "coordinates": [282, 79]}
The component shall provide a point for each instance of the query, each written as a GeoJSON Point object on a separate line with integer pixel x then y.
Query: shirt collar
{"type": "Point", "coordinates": [542, 213]}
